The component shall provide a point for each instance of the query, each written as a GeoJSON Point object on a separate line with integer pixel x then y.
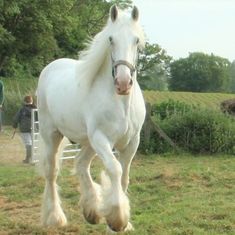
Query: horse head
{"type": "Point", "coordinates": [125, 39]}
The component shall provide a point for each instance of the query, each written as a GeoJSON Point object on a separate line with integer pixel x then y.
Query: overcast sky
{"type": "Point", "coordinates": [183, 26]}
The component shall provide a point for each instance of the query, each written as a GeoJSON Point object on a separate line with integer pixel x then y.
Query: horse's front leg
{"type": "Point", "coordinates": [90, 191]}
{"type": "Point", "coordinates": [115, 206]}
{"type": "Point", "coordinates": [125, 158]}
{"type": "Point", "coordinates": [52, 213]}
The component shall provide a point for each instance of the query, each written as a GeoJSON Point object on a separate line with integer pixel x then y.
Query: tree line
{"type": "Point", "coordinates": [33, 33]}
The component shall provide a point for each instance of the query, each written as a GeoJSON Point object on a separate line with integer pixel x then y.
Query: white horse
{"type": "Point", "coordinates": [96, 102]}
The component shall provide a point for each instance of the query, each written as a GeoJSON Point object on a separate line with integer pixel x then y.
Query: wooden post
{"type": "Point", "coordinates": [149, 125]}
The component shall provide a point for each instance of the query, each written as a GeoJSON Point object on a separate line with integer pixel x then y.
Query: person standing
{"type": "Point", "coordinates": [23, 119]}
{"type": "Point", "coordinates": [1, 102]}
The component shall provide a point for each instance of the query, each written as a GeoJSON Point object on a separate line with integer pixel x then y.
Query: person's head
{"type": "Point", "coordinates": [28, 99]}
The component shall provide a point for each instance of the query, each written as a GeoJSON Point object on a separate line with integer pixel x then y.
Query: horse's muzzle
{"type": "Point", "coordinates": [123, 87]}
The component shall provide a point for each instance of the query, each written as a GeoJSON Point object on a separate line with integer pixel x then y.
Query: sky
{"type": "Point", "coordinates": [184, 26]}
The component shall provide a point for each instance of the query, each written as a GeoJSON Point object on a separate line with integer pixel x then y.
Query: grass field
{"type": "Point", "coordinates": [204, 100]}
{"type": "Point", "coordinates": [169, 195]}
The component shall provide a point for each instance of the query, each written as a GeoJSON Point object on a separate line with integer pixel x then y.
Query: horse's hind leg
{"type": "Point", "coordinates": [52, 213]}
{"type": "Point", "coordinates": [125, 158]}
{"type": "Point", "coordinates": [90, 191]}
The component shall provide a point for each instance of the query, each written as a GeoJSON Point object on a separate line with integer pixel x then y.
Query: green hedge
{"type": "Point", "coordinates": [170, 107]}
{"type": "Point", "coordinates": [15, 90]}
{"type": "Point", "coordinates": [202, 131]}
{"type": "Point", "coordinates": [195, 130]}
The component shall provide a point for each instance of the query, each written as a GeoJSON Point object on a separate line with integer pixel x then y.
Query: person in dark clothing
{"type": "Point", "coordinates": [23, 119]}
{"type": "Point", "coordinates": [1, 102]}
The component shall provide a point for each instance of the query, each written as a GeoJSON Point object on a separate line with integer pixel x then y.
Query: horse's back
{"type": "Point", "coordinates": [56, 74]}
{"type": "Point", "coordinates": [56, 68]}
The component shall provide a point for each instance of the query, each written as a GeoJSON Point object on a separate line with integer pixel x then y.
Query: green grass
{"type": "Point", "coordinates": [205, 100]}
{"type": "Point", "coordinates": [186, 196]}
{"type": "Point", "coordinates": [171, 195]}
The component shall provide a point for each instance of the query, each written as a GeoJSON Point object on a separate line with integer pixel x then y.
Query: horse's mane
{"type": "Point", "coordinates": [94, 56]}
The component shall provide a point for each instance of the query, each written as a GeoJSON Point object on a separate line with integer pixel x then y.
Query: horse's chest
{"type": "Point", "coordinates": [130, 127]}
{"type": "Point", "coordinates": [117, 117]}
{"type": "Point", "coordinates": [126, 134]}
{"type": "Point", "coordinates": [116, 125]}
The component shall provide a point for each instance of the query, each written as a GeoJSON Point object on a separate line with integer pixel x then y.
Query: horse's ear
{"type": "Point", "coordinates": [113, 12]}
{"type": "Point", "coordinates": [135, 13]}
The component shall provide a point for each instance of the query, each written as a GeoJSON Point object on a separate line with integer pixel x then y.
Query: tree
{"type": "Point", "coordinates": [153, 67]}
{"type": "Point", "coordinates": [28, 26]}
{"type": "Point", "coordinates": [122, 4]}
{"type": "Point", "coordinates": [200, 73]}
{"type": "Point", "coordinates": [33, 33]}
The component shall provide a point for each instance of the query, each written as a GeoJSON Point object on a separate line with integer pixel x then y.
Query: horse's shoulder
{"type": "Point", "coordinates": [59, 65]}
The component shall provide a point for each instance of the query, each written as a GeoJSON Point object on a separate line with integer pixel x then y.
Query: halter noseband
{"type": "Point", "coordinates": [122, 62]}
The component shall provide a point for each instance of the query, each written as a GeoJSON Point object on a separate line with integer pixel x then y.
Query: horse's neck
{"type": "Point", "coordinates": [105, 70]}
{"type": "Point", "coordinates": [103, 83]}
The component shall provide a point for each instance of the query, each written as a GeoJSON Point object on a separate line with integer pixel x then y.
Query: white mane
{"type": "Point", "coordinates": [97, 50]}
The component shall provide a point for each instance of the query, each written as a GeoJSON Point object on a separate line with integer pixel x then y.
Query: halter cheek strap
{"type": "Point", "coordinates": [123, 62]}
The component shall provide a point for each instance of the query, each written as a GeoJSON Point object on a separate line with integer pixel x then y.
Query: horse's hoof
{"type": "Point", "coordinates": [91, 217]}
{"type": "Point", "coordinates": [117, 226]}
{"type": "Point", "coordinates": [57, 220]}
{"type": "Point", "coordinates": [129, 227]}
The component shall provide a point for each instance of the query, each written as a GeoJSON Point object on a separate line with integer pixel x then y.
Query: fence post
{"type": "Point", "coordinates": [35, 134]}
{"type": "Point", "coordinates": [147, 126]}
{"type": "Point", "coordinates": [150, 126]}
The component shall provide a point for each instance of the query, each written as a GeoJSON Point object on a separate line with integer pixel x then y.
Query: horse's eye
{"type": "Point", "coordinates": [110, 39]}
{"type": "Point", "coordinates": [137, 40]}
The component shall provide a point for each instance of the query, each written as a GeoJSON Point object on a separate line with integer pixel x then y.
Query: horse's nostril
{"type": "Point", "coordinates": [116, 82]}
{"type": "Point", "coordinates": [131, 82]}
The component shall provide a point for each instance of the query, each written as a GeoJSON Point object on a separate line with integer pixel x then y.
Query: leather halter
{"type": "Point", "coordinates": [122, 62]}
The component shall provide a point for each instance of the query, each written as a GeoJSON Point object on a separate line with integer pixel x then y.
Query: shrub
{"type": "Point", "coordinates": [15, 90]}
{"type": "Point", "coordinates": [170, 107]}
{"type": "Point", "coordinates": [192, 129]}
{"type": "Point", "coordinates": [155, 144]}
{"type": "Point", "coordinates": [201, 131]}
{"type": "Point", "coordinates": [228, 106]}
